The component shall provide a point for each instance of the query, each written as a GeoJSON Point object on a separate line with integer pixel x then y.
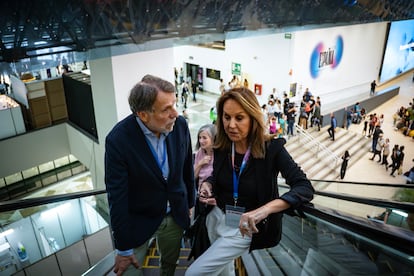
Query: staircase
{"type": "Point", "coordinates": [319, 156]}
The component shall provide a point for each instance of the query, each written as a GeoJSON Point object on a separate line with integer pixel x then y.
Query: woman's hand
{"type": "Point", "coordinates": [249, 220]}
{"type": "Point", "coordinates": [205, 194]}
{"type": "Point", "coordinates": [206, 159]}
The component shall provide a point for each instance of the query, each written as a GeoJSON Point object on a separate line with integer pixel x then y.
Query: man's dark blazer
{"type": "Point", "coordinates": [137, 191]}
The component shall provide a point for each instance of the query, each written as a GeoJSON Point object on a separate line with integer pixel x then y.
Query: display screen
{"type": "Point", "coordinates": [399, 50]}
{"type": "Point", "coordinates": [214, 74]}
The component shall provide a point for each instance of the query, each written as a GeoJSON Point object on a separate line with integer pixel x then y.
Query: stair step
{"type": "Point", "coordinates": [320, 167]}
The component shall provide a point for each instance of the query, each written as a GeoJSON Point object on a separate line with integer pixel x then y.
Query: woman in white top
{"type": "Point", "coordinates": [271, 109]}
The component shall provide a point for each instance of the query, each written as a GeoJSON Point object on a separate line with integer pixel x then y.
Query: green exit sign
{"type": "Point", "coordinates": [236, 69]}
{"type": "Point", "coordinates": [288, 35]}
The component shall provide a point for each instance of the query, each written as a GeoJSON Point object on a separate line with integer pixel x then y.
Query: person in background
{"type": "Point", "coordinates": [398, 160]}
{"type": "Point", "coordinates": [282, 124]}
{"type": "Point", "coordinates": [316, 118]}
{"type": "Point", "coordinates": [272, 125]}
{"type": "Point", "coordinates": [271, 109]}
{"type": "Point", "coordinates": [265, 114]}
{"type": "Point", "coordinates": [378, 147]}
{"type": "Point", "coordinates": [307, 95]}
{"type": "Point", "coordinates": [344, 165]}
{"type": "Point", "coordinates": [149, 178]}
{"type": "Point", "coordinates": [222, 87]}
{"type": "Point", "coordinates": [203, 161]}
{"type": "Point", "coordinates": [409, 176]}
{"type": "Point", "coordinates": [385, 153]}
{"type": "Point", "coordinates": [291, 114]}
{"type": "Point", "coordinates": [184, 93]}
{"type": "Point", "coordinates": [247, 208]}
{"type": "Point", "coordinates": [375, 137]}
{"type": "Point", "coordinates": [373, 86]}
{"type": "Point", "coordinates": [246, 83]}
{"type": "Point", "coordinates": [349, 114]}
{"type": "Point", "coordinates": [331, 129]}
{"type": "Point", "coordinates": [285, 103]}
{"type": "Point", "coordinates": [194, 85]}
{"type": "Point", "coordinates": [213, 114]}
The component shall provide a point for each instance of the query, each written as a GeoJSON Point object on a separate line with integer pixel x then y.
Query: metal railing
{"type": "Point", "coordinates": [323, 154]}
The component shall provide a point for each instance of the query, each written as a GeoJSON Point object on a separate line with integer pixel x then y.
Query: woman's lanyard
{"type": "Point", "coordinates": [235, 177]}
{"type": "Point", "coordinates": [161, 163]}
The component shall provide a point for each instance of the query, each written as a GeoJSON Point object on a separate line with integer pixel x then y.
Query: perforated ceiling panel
{"type": "Point", "coordinates": [32, 29]}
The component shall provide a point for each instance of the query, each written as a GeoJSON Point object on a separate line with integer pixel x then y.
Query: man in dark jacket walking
{"type": "Point", "coordinates": [331, 130]}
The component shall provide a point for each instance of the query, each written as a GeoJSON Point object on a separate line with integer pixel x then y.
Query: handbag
{"type": "Point", "coordinates": [197, 234]}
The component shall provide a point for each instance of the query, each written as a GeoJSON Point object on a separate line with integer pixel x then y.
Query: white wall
{"type": "Point", "coordinates": [264, 60]}
{"type": "Point", "coordinates": [129, 70]}
{"type": "Point", "coordinates": [362, 55]}
{"type": "Point", "coordinates": [267, 59]}
{"type": "Point", "coordinates": [31, 149]}
{"type": "Point", "coordinates": [102, 84]}
{"type": "Point", "coordinates": [206, 58]}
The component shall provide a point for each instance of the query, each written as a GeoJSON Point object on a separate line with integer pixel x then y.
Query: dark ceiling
{"type": "Point", "coordinates": [31, 29]}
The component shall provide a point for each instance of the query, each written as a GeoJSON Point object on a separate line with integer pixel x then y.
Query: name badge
{"type": "Point", "coordinates": [233, 215]}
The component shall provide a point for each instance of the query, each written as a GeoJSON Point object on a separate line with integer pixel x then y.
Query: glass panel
{"type": "Point", "coordinates": [30, 172]}
{"type": "Point", "coordinates": [33, 183]}
{"type": "Point", "coordinates": [72, 158]}
{"type": "Point", "coordinates": [61, 161]}
{"type": "Point", "coordinates": [78, 169]}
{"type": "Point", "coordinates": [67, 256]}
{"type": "Point", "coordinates": [13, 178]}
{"type": "Point", "coordinates": [2, 182]}
{"type": "Point", "coordinates": [46, 229]}
{"type": "Point", "coordinates": [46, 167]}
{"type": "Point", "coordinates": [312, 246]}
{"type": "Point", "coordinates": [49, 180]}
{"type": "Point", "coordinates": [64, 174]}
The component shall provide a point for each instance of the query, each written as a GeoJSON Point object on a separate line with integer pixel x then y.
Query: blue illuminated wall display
{"type": "Point", "coordinates": [399, 50]}
{"type": "Point", "coordinates": [326, 57]}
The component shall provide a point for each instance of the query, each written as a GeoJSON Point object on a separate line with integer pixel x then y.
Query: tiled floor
{"type": "Point", "coordinates": [366, 170]}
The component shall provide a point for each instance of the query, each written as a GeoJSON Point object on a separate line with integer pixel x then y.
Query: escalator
{"type": "Point", "coordinates": [324, 240]}
{"type": "Point", "coordinates": [327, 241]}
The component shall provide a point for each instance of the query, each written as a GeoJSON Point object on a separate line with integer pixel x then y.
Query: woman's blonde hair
{"type": "Point", "coordinates": [257, 134]}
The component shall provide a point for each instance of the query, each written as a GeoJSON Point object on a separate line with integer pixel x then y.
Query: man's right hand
{"type": "Point", "coordinates": [122, 263]}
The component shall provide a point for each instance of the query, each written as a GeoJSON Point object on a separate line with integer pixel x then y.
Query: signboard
{"type": "Point", "coordinates": [213, 74]}
{"type": "Point", "coordinates": [236, 69]}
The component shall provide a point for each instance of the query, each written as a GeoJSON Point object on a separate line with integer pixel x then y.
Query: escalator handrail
{"type": "Point", "coordinates": [16, 204]}
{"type": "Point", "coordinates": [395, 237]}
{"type": "Point", "coordinates": [403, 206]}
{"type": "Point", "coordinates": [406, 186]}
